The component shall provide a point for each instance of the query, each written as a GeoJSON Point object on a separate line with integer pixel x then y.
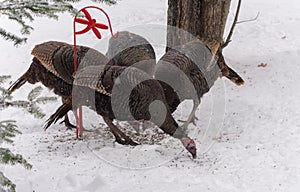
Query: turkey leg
{"type": "Point", "coordinates": [192, 117]}
{"type": "Point", "coordinates": [119, 135]}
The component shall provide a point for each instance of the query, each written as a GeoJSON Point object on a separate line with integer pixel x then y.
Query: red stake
{"type": "Point", "coordinates": [91, 25]}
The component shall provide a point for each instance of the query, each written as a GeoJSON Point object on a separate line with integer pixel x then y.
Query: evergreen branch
{"type": "Point", "coordinates": [12, 37]}
{"type": "Point", "coordinates": [7, 157]}
{"type": "Point", "coordinates": [34, 93]}
{"type": "Point", "coordinates": [44, 100]}
{"type": "Point", "coordinates": [3, 78]}
{"type": "Point", "coordinates": [18, 104]}
{"type": "Point", "coordinates": [27, 15]}
{"type": "Point", "coordinates": [5, 93]}
{"type": "Point", "coordinates": [25, 28]}
{"type": "Point", "coordinates": [6, 185]}
{"type": "Point", "coordinates": [30, 104]}
{"type": "Point", "coordinates": [8, 129]}
{"type": "Point", "coordinates": [36, 111]}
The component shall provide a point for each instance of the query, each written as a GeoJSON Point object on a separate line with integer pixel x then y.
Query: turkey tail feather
{"type": "Point", "coordinates": [59, 113]}
{"type": "Point", "coordinates": [17, 84]}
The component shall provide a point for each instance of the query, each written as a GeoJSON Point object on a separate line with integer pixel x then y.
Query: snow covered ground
{"type": "Point", "coordinates": [257, 147]}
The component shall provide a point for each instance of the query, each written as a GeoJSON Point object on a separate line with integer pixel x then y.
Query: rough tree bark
{"type": "Point", "coordinates": [204, 19]}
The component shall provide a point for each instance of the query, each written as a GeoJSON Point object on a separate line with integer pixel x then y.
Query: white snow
{"type": "Point", "coordinates": [253, 145]}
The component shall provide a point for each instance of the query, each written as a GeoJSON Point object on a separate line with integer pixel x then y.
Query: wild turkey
{"type": "Point", "coordinates": [188, 72]}
{"type": "Point", "coordinates": [132, 50]}
{"type": "Point", "coordinates": [53, 66]}
{"type": "Point", "coordinates": [123, 93]}
{"type": "Point", "coordinates": [129, 49]}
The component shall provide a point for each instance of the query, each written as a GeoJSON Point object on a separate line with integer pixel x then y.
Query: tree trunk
{"type": "Point", "coordinates": [203, 19]}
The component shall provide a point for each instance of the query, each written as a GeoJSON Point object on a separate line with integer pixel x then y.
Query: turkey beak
{"type": "Point", "coordinates": [190, 145]}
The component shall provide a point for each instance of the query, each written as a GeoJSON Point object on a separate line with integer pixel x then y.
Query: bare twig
{"type": "Point", "coordinates": [228, 39]}
{"type": "Point", "coordinates": [249, 20]}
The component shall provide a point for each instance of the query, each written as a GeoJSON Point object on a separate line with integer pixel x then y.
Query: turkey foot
{"type": "Point", "coordinates": [193, 120]}
{"type": "Point", "coordinates": [67, 123]}
{"type": "Point", "coordinates": [192, 117]}
{"type": "Point", "coordinates": [119, 135]}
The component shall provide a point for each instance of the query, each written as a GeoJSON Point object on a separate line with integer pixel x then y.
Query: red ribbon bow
{"type": "Point", "coordinates": [91, 24]}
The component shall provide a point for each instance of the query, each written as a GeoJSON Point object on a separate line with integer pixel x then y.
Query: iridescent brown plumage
{"type": "Point", "coordinates": [131, 50]}
{"type": "Point", "coordinates": [127, 53]}
{"type": "Point", "coordinates": [120, 82]}
{"type": "Point", "coordinates": [189, 71]}
{"type": "Point", "coordinates": [53, 66]}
